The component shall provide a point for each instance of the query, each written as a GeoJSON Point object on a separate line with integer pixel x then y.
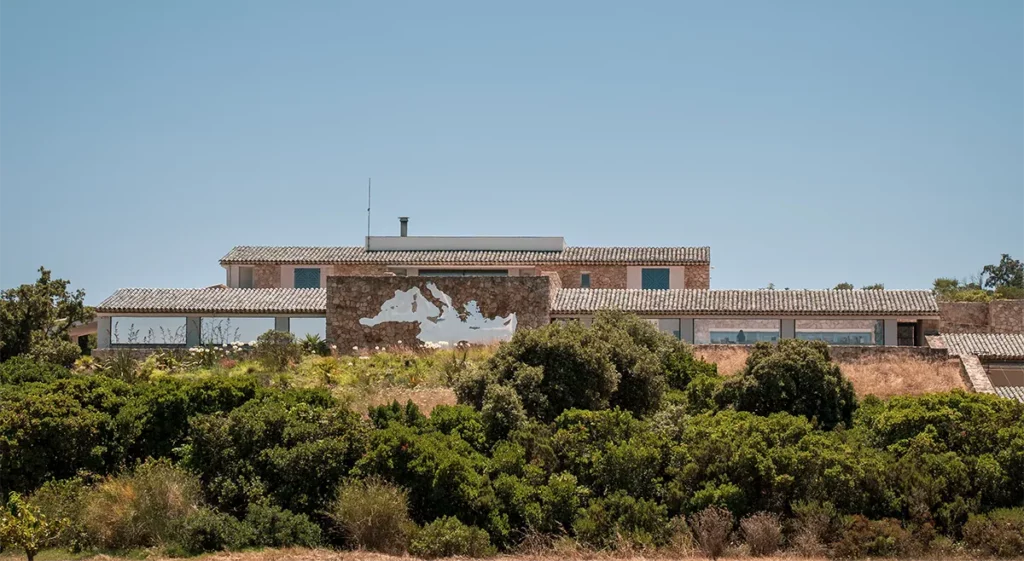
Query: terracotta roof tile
{"type": "Point", "coordinates": [739, 302]}
{"type": "Point", "coordinates": [216, 300]}
{"type": "Point", "coordinates": [582, 255]}
{"type": "Point", "coordinates": [1006, 345]}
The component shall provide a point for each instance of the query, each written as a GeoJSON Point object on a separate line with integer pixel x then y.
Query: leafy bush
{"type": "Point", "coordinates": [207, 530]}
{"type": "Point", "coordinates": [313, 344]}
{"type": "Point", "coordinates": [447, 537]}
{"type": "Point", "coordinates": [502, 412]}
{"type": "Point", "coordinates": [999, 533]}
{"type": "Point", "coordinates": [54, 350]}
{"type": "Point", "coordinates": [62, 500]}
{"type": "Point", "coordinates": [712, 526]}
{"type": "Point", "coordinates": [141, 509]}
{"type": "Point", "coordinates": [272, 526]}
{"type": "Point", "coordinates": [796, 377]}
{"type": "Point", "coordinates": [22, 370]}
{"type": "Point", "coordinates": [22, 525]}
{"type": "Point", "coordinates": [553, 368]}
{"type": "Point", "coordinates": [373, 514]}
{"type": "Point", "coordinates": [762, 532]}
{"type": "Point", "coordinates": [620, 519]}
{"type": "Point", "coordinates": [862, 537]}
{"type": "Point", "coordinates": [295, 447]}
{"type": "Point", "coordinates": [275, 350]}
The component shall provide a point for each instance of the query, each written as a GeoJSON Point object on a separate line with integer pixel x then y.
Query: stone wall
{"type": "Point", "coordinates": [267, 276]}
{"type": "Point", "coordinates": [998, 316]}
{"type": "Point", "coordinates": [360, 270]}
{"type": "Point", "coordinates": [698, 276]}
{"type": "Point", "coordinates": [601, 276]}
{"type": "Point", "coordinates": [350, 299]}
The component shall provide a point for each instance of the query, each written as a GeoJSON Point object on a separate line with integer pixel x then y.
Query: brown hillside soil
{"type": "Point", "coordinates": [883, 377]}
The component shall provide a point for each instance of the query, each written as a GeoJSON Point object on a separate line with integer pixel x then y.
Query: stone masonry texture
{"type": "Point", "coordinates": [267, 276]}
{"type": "Point", "coordinates": [601, 276]}
{"type": "Point", "coordinates": [351, 298]}
{"type": "Point", "coordinates": [998, 316]}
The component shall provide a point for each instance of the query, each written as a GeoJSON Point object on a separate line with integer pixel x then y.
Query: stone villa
{"type": "Point", "coordinates": [426, 289]}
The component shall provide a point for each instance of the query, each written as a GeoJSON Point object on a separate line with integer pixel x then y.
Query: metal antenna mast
{"type": "Point", "coordinates": [369, 191]}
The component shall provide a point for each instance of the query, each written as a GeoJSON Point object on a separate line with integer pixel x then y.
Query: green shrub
{"type": "Point", "coordinates": [314, 345]}
{"type": "Point", "coordinates": [460, 421]}
{"type": "Point", "coordinates": [620, 519]}
{"type": "Point", "coordinates": [275, 350]}
{"type": "Point", "coordinates": [796, 377]}
{"type": "Point", "coordinates": [22, 525]}
{"type": "Point", "coordinates": [502, 412]}
{"type": "Point", "coordinates": [681, 367]}
{"type": "Point", "coordinates": [373, 514]}
{"type": "Point", "coordinates": [447, 537]}
{"type": "Point", "coordinates": [273, 526]}
{"type": "Point", "coordinates": [862, 537]}
{"type": "Point", "coordinates": [294, 447]}
{"type": "Point", "coordinates": [207, 530]}
{"type": "Point", "coordinates": [637, 350]}
{"type": "Point", "coordinates": [54, 350]}
{"type": "Point", "coordinates": [999, 533]}
{"type": "Point", "coordinates": [409, 415]}
{"type": "Point", "coordinates": [143, 508]}
{"type": "Point", "coordinates": [22, 370]}
{"type": "Point", "coordinates": [552, 368]}
{"type": "Point", "coordinates": [62, 500]}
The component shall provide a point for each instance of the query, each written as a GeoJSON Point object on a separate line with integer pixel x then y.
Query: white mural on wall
{"type": "Point", "coordinates": [443, 324]}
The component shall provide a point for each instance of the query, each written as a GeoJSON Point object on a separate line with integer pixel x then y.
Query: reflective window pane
{"type": "Point", "coordinates": [841, 331]}
{"type": "Point", "coordinates": [131, 330]}
{"type": "Point", "coordinates": [735, 331]}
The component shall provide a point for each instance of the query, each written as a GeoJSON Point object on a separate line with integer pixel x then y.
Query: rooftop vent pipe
{"type": "Point", "coordinates": [404, 222]}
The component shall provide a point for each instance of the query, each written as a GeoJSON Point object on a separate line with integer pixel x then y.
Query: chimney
{"type": "Point", "coordinates": [404, 222]}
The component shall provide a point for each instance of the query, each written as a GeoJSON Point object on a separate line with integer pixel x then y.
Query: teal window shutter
{"type": "Point", "coordinates": [585, 280]}
{"type": "Point", "coordinates": [307, 278]}
{"type": "Point", "coordinates": [654, 279]}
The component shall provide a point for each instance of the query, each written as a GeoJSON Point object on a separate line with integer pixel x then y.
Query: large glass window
{"type": "Point", "coordinates": [307, 278]}
{"type": "Point", "coordinates": [841, 331]}
{"type": "Point", "coordinates": [656, 279]}
{"type": "Point", "coordinates": [669, 325]}
{"type": "Point", "coordinates": [245, 277]}
{"type": "Point", "coordinates": [227, 330]}
{"type": "Point", "coordinates": [735, 331]}
{"type": "Point", "coordinates": [463, 272]}
{"type": "Point", "coordinates": [133, 330]}
{"type": "Point", "coordinates": [300, 327]}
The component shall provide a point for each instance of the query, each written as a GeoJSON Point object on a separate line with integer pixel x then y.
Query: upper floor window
{"type": "Point", "coordinates": [307, 278]}
{"type": "Point", "coordinates": [245, 277]}
{"type": "Point", "coordinates": [585, 280]}
{"type": "Point", "coordinates": [656, 279]}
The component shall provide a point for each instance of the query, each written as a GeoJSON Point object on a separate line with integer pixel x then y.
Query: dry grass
{"type": "Point", "coordinates": [329, 555]}
{"type": "Point", "coordinates": [425, 398]}
{"type": "Point", "coordinates": [888, 376]}
{"type": "Point", "coordinates": [883, 377]}
{"type": "Point", "coordinates": [730, 360]}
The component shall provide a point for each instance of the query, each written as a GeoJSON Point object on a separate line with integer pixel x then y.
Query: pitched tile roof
{"type": "Point", "coordinates": [1007, 345]}
{"type": "Point", "coordinates": [582, 255]}
{"type": "Point", "coordinates": [741, 302]}
{"type": "Point", "coordinates": [216, 300]}
{"type": "Point", "coordinates": [1011, 392]}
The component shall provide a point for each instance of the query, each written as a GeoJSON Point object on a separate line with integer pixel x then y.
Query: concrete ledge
{"type": "Point", "coordinates": [974, 375]}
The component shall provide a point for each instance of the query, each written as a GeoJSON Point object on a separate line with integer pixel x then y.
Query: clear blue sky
{"type": "Point", "coordinates": [807, 142]}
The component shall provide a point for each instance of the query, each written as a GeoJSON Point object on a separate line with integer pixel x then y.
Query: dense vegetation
{"type": "Point", "coordinates": [1003, 280]}
{"type": "Point", "coordinates": [612, 435]}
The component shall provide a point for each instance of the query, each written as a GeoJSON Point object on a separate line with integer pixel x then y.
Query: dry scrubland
{"type": "Point", "coordinates": [883, 377]}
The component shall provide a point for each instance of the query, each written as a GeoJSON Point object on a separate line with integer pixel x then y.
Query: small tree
{"type": "Point", "coordinates": [794, 376]}
{"type": "Point", "coordinates": [22, 525]}
{"type": "Point", "coordinates": [35, 313]}
{"type": "Point", "coordinates": [1009, 272]}
{"type": "Point", "coordinates": [276, 349]}
{"type": "Point", "coordinates": [876, 286]}
{"type": "Point", "coordinates": [843, 286]}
